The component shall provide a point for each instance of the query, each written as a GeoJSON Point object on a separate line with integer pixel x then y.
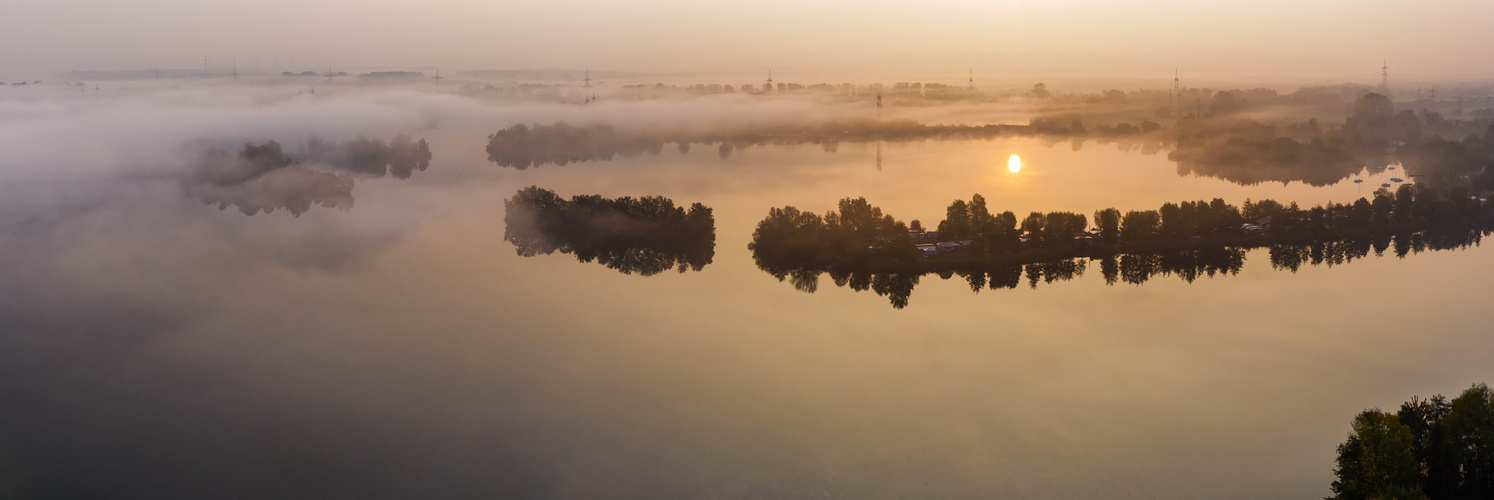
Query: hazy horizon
{"type": "Point", "coordinates": [1272, 41]}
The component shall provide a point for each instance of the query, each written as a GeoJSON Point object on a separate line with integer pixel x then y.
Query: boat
{"type": "Point", "coordinates": [1396, 179]}
{"type": "Point", "coordinates": [1385, 184]}
{"type": "Point", "coordinates": [1392, 168]}
{"type": "Point", "coordinates": [1357, 181]}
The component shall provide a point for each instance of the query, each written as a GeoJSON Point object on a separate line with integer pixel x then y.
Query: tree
{"type": "Point", "coordinates": [1040, 91]}
{"type": "Point", "coordinates": [1225, 103]}
{"type": "Point", "coordinates": [1371, 116]}
{"type": "Point", "coordinates": [1377, 462]}
{"type": "Point", "coordinates": [1380, 208]}
{"type": "Point", "coordinates": [956, 221]}
{"type": "Point", "coordinates": [1470, 434]}
{"type": "Point", "coordinates": [981, 220]}
{"type": "Point", "coordinates": [1139, 225]}
{"type": "Point", "coordinates": [1033, 226]}
{"type": "Point", "coordinates": [1109, 222]}
{"type": "Point", "coordinates": [1404, 197]}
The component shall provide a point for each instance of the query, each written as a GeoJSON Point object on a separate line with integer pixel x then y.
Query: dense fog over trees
{"type": "Point", "coordinates": [265, 178]}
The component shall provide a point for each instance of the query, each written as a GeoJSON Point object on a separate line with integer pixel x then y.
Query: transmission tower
{"type": "Point", "coordinates": [1385, 77]}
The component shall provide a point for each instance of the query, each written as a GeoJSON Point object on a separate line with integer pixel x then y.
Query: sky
{"type": "Point", "coordinates": [1323, 40]}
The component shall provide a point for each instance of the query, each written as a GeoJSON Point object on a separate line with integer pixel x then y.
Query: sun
{"type": "Point", "coordinates": [1014, 164]}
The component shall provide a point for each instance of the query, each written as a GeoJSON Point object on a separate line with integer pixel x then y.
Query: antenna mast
{"type": "Point", "coordinates": [1177, 93]}
{"type": "Point", "coordinates": [587, 79]}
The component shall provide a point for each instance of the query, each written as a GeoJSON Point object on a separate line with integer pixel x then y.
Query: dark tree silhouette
{"type": "Point", "coordinates": [646, 235]}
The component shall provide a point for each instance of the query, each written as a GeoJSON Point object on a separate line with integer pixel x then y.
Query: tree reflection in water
{"type": "Point", "coordinates": [647, 235]}
{"type": "Point", "coordinates": [1138, 268]}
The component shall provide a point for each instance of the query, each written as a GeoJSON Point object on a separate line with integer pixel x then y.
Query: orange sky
{"type": "Point", "coordinates": [1309, 41]}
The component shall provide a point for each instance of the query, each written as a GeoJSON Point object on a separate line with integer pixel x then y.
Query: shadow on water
{"type": "Point", "coordinates": [647, 235]}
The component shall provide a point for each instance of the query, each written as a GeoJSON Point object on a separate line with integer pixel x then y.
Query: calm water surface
{"type": "Point", "coordinates": [156, 345]}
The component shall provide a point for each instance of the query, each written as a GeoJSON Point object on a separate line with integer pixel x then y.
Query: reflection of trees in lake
{"type": "Point", "coordinates": [265, 178]}
{"type": "Point", "coordinates": [1138, 268]}
{"type": "Point", "coordinates": [1191, 264]}
{"type": "Point", "coordinates": [1291, 256]}
{"type": "Point", "coordinates": [647, 235]}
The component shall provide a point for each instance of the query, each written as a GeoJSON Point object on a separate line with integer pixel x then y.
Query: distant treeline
{"type": "Point", "coordinates": [263, 177]}
{"type": "Point", "coordinates": [1228, 142]}
{"type": "Point", "coordinates": [1429, 449]}
{"type": "Point", "coordinates": [522, 146]}
{"type": "Point", "coordinates": [1246, 151]}
{"type": "Point", "coordinates": [647, 235]}
{"type": "Point", "coordinates": [1189, 239]}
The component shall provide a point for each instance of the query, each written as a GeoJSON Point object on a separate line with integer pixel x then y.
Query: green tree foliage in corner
{"type": "Point", "coordinates": [1376, 462]}
{"type": "Point", "coordinates": [1429, 449]}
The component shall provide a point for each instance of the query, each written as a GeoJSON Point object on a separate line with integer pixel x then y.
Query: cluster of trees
{"type": "Point", "coordinates": [1189, 239]}
{"type": "Point", "coordinates": [1409, 209]}
{"type": "Point", "coordinates": [1435, 217]}
{"type": "Point", "coordinates": [856, 235]}
{"type": "Point", "coordinates": [399, 157]}
{"type": "Point", "coordinates": [262, 177]}
{"type": "Point", "coordinates": [1246, 151]}
{"type": "Point", "coordinates": [647, 235]}
{"type": "Point", "coordinates": [1431, 449]}
{"type": "Point", "coordinates": [521, 147]}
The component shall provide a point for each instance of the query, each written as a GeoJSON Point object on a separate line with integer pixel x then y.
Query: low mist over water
{"type": "Point", "coordinates": [528, 285]}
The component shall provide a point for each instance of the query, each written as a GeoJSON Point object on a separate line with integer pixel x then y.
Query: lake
{"type": "Point", "coordinates": [153, 346]}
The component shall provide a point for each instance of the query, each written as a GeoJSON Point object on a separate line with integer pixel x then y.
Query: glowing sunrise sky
{"type": "Point", "coordinates": [1312, 39]}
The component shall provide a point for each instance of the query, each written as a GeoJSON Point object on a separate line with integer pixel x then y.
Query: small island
{"type": "Point", "coordinates": [860, 246]}
{"type": "Point", "coordinates": [647, 235]}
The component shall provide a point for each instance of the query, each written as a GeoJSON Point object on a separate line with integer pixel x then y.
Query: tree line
{"type": "Point", "coordinates": [523, 146]}
{"type": "Point", "coordinates": [857, 242]}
